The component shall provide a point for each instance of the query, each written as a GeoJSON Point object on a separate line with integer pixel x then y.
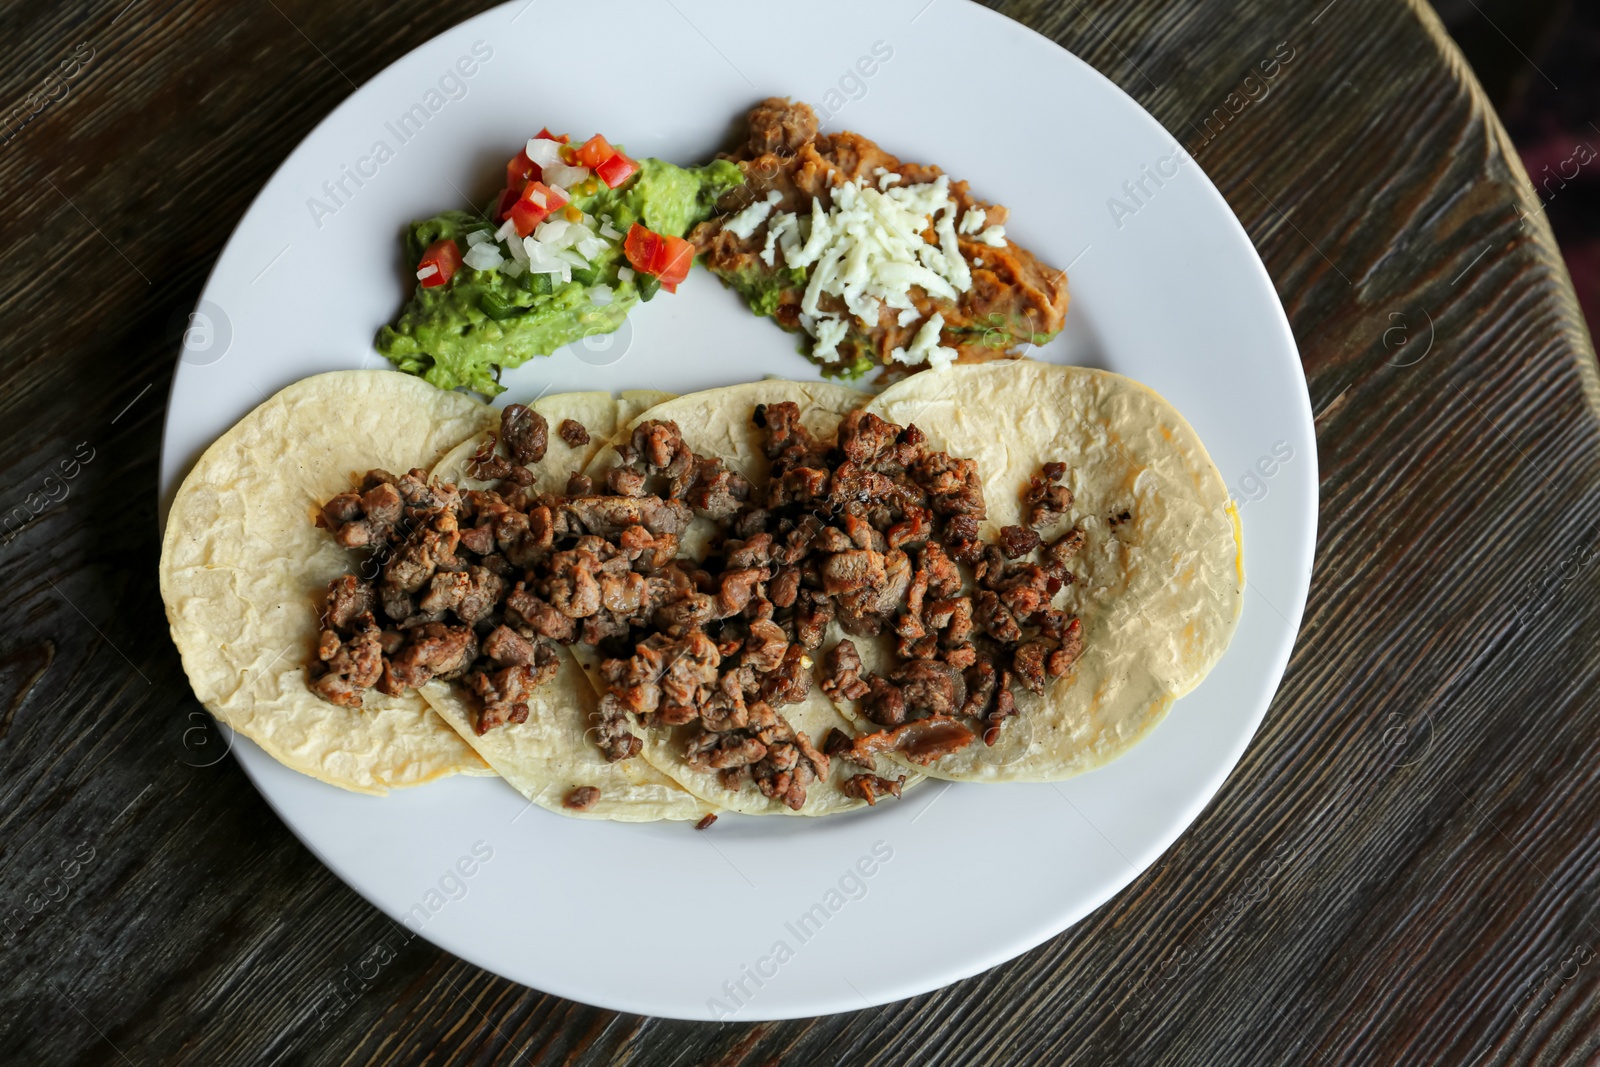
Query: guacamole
{"type": "Point", "coordinates": [465, 331]}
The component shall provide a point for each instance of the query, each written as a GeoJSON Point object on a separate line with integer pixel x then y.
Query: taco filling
{"type": "Point", "coordinates": [881, 263]}
{"type": "Point", "coordinates": [867, 528]}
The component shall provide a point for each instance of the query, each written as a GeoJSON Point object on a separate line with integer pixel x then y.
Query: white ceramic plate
{"type": "Point", "coordinates": [660, 919]}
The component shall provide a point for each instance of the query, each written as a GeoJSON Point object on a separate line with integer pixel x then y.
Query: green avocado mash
{"type": "Point", "coordinates": [465, 331]}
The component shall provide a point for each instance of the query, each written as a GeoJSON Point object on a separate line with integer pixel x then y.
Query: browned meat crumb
{"type": "Point", "coordinates": [525, 432]}
{"type": "Point", "coordinates": [1016, 542]}
{"type": "Point", "coordinates": [573, 432]}
{"type": "Point", "coordinates": [706, 822]}
{"type": "Point", "coordinates": [871, 788]}
{"type": "Point", "coordinates": [1046, 501]}
{"type": "Point", "coordinates": [582, 798]}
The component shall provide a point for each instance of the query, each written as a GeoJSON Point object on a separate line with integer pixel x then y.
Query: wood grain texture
{"type": "Point", "coordinates": [1400, 871]}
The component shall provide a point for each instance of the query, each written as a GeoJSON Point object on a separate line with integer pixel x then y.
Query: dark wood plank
{"type": "Point", "coordinates": [1400, 870]}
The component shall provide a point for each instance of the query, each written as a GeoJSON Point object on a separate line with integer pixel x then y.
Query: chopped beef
{"type": "Point", "coordinates": [503, 694]}
{"type": "Point", "coordinates": [347, 598]}
{"type": "Point", "coordinates": [1017, 541]}
{"type": "Point", "coordinates": [485, 465]}
{"type": "Point", "coordinates": [1046, 501]}
{"type": "Point", "coordinates": [930, 686]}
{"type": "Point", "coordinates": [573, 432]}
{"type": "Point", "coordinates": [922, 741]}
{"type": "Point", "coordinates": [525, 432]}
{"type": "Point", "coordinates": [871, 788]}
{"type": "Point", "coordinates": [1060, 552]}
{"type": "Point", "coordinates": [582, 798]}
{"type": "Point", "coordinates": [842, 672]}
{"type": "Point", "coordinates": [874, 530]}
{"type": "Point", "coordinates": [705, 823]}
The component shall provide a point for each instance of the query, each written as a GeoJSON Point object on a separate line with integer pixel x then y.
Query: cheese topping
{"type": "Point", "coordinates": [745, 222]}
{"type": "Point", "coordinates": [925, 346]}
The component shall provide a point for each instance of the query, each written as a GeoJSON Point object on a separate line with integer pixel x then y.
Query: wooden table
{"type": "Point", "coordinates": [1398, 872]}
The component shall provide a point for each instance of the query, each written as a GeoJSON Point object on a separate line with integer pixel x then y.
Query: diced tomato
{"type": "Point", "coordinates": [643, 248]}
{"type": "Point", "coordinates": [508, 197]}
{"type": "Point", "coordinates": [616, 170]}
{"type": "Point", "coordinates": [521, 169]}
{"type": "Point", "coordinates": [595, 151]}
{"type": "Point", "coordinates": [528, 212]}
{"type": "Point", "coordinates": [546, 135]}
{"type": "Point", "coordinates": [444, 258]}
{"type": "Point", "coordinates": [665, 256]}
{"type": "Point", "coordinates": [677, 256]}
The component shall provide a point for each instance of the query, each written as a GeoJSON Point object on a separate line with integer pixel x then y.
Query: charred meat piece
{"type": "Point", "coordinates": [1060, 552]}
{"type": "Point", "coordinates": [573, 432]}
{"type": "Point", "coordinates": [1016, 541]}
{"type": "Point", "coordinates": [349, 663]}
{"type": "Point", "coordinates": [1045, 501]}
{"type": "Point", "coordinates": [582, 798]}
{"type": "Point", "coordinates": [525, 432]}
{"type": "Point", "coordinates": [503, 694]}
{"type": "Point", "coordinates": [922, 741]}
{"type": "Point", "coordinates": [871, 788]}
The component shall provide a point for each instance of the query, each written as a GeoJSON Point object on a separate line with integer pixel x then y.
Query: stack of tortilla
{"type": "Point", "coordinates": [243, 564]}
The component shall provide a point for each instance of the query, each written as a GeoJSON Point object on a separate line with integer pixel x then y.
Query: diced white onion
{"type": "Point", "coordinates": [625, 274]}
{"type": "Point", "coordinates": [478, 237]}
{"type": "Point", "coordinates": [427, 272]}
{"type": "Point", "coordinates": [608, 230]}
{"type": "Point", "coordinates": [484, 256]}
{"type": "Point", "coordinates": [563, 175]}
{"type": "Point", "coordinates": [550, 231]}
{"type": "Point", "coordinates": [600, 295]}
{"type": "Point", "coordinates": [544, 152]}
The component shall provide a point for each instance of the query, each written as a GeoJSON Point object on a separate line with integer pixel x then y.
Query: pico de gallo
{"type": "Point", "coordinates": [578, 236]}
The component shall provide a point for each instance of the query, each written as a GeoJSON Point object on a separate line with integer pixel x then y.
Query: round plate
{"type": "Point", "coordinates": [776, 918]}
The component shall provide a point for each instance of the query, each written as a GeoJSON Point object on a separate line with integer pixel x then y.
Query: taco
{"type": "Point", "coordinates": [751, 680]}
{"type": "Point", "coordinates": [1115, 556]}
{"type": "Point", "coordinates": [242, 563]}
{"type": "Point", "coordinates": [550, 755]}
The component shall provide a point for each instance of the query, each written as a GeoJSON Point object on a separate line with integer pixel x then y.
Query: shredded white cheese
{"type": "Point", "coordinates": [745, 222]}
{"type": "Point", "coordinates": [994, 237]}
{"type": "Point", "coordinates": [925, 347]}
{"type": "Point", "coordinates": [830, 331]}
{"type": "Point", "coordinates": [868, 251]}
